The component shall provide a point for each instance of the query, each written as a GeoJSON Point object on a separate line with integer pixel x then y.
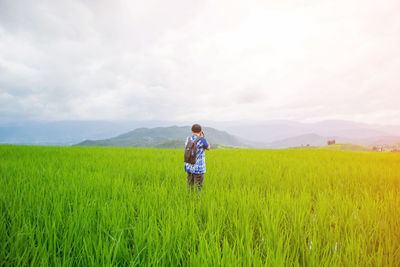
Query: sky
{"type": "Point", "coordinates": [200, 60]}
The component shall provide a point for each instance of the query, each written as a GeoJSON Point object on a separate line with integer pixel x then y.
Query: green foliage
{"type": "Point", "coordinates": [91, 206]}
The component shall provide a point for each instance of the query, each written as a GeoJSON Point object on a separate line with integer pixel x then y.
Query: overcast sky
{"type": "Point", "coordinates": [200, 60]}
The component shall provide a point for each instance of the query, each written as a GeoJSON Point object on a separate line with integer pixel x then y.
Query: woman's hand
{"type": "Point", "coordinates": [202, 134]}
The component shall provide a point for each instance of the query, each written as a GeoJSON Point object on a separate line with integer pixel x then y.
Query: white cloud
{"type": "Point", "coordinates": [209, 60]}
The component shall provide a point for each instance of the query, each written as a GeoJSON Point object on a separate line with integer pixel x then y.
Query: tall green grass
{"type": "Point", "coordinates": [78, 206]}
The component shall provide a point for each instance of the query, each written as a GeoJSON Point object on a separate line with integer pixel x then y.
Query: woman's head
{"type": "Point", "coordinates": [196, 128]}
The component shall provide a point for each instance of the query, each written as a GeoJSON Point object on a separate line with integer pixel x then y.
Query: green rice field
{"type": "Point", "coordinates": [89, 206]}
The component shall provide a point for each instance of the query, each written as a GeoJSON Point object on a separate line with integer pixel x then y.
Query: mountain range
{"type": "Point", "coordinates": [254, 134]}
{"type": "Point", "coordinates": [66, 132]}
{"type": "Point", "coordinates": [165, 137]}
{"type": "Point", "coordinates": [274, 130]}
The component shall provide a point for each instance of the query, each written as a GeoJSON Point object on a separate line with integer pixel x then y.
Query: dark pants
{"type": "Point", "coordinates": [197, 178]}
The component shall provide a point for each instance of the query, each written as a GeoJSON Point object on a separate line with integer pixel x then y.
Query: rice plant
{"type": "Point", "coordinates": [81, 206]}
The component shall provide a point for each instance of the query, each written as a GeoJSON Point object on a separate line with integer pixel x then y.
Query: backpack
{"type": "Point", "coordinates": [191, 150]}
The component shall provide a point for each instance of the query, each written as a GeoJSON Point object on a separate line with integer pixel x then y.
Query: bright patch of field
{"type": "Point", "coordinates": [82, 206]}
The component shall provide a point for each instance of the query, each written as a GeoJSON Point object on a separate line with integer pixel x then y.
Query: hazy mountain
{"type": "Point", "coordinates": [265, 131]}
{"type": "Point", "coordinates": [379, 140]}
{"type": "Point", "coordinates": [67, 132]}
{"type": "Point", "coordinates": [276, 130]}
{"type": "Point", "coordinates": [261, 134]}
{"type": "Point", "coordinates": [318, 140]}
{"type": "Point", "coordinates": [305, 139]}
{"type": "Point", "coordinates": [173, 137]}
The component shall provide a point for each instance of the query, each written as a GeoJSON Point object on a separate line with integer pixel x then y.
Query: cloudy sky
{"type": "Point", "coordinates": [202, 59]}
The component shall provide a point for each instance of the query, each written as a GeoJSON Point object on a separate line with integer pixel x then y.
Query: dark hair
{"type": "Point", "coordinates": [196, 128]}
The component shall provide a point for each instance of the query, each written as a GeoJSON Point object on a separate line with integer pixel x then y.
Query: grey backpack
{"type": "Point", "coordinates": [191, 150]}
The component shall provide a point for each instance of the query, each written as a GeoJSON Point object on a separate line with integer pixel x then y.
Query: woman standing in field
{"type": "Point", "coordinates": [195, 169]}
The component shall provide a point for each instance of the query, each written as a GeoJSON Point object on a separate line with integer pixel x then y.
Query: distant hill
{"type": "Point", "coordinates": [349, 146]}
{"type": "Point", "coordinates": [342, 146]}
{"type": "Point", "coordinates": [276, 130]}
{"type": "Point", "coordinates": [165, 137]}
{"type": "Point", "coordinates": [380, 140]}
{"type": "Point", "coordinates": [313, 139]}
{"type": "Point", "coordinates": [305, 139]}
{"type": "Point", "coordinates": [66, 132]}
{"type": "Point", "coordinates": [257, 134]}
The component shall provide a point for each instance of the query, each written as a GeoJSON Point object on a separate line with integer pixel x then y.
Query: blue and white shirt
{"type": "Point", "coordinates": [200, 166]}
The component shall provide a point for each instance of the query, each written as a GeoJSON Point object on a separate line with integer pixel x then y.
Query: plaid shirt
{"type": "Point", "coordinates": [200, 166]}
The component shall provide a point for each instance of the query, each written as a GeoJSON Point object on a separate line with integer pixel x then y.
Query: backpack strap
{"type": "Point", "coordinates": [197, 140]}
